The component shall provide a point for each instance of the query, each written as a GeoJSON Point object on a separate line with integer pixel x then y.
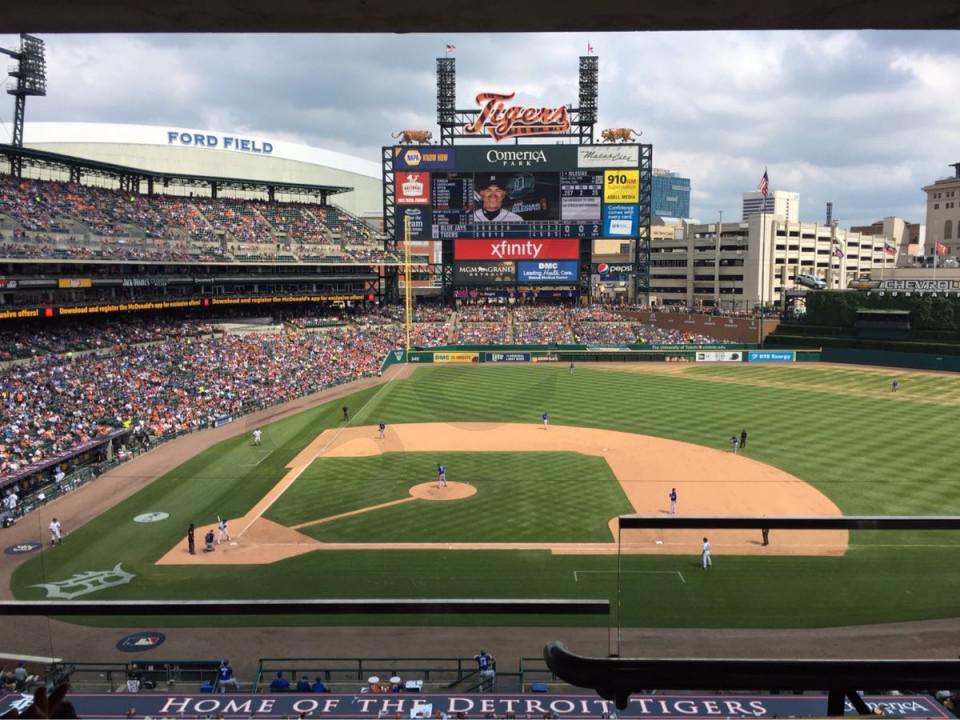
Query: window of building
{"type": "Point", "coordinates": [948, 230]}
{"type": "Point", "coordinates": [936, 206]}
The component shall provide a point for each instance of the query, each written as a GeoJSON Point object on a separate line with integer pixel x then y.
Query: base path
{"type": "Point", "coordinates": [708, 482]}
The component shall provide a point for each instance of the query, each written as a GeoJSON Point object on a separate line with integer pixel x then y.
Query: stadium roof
{"type": "Point", "coordinates": [403, 16]}
{"type": "Point", "coordinates": [103, 169]}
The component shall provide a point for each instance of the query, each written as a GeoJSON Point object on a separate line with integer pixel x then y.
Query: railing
{"type": "Point", "coordinates": [162, 675]}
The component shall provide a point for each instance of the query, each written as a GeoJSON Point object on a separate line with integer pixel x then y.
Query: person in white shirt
{"type": "Point", "coordinates": [707, 562]}
{"type": "Point", "coordinates": [492, 191]}
{"type": "Point", "coordinates": [56, 531]}
{"type": "Point", "coordinates": [256, 436]}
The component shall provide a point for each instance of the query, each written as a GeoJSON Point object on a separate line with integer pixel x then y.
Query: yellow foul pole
{"type": "Point", "coordinates": [407, 290]}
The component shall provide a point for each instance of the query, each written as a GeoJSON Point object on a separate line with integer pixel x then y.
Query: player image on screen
{"type": "Point", "coordinates": [492, 190]}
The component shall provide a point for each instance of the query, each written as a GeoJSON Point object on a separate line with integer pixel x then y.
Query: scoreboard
{"type": "Point", "coordinates": [474, 196]}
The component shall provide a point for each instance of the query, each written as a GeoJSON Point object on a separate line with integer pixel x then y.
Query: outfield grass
{"type": "Point", "coordinates": [870, 451]}
{"type": "Point", "coordinates": [520, 497]}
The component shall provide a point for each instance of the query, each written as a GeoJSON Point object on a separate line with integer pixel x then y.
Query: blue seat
{"type": "Point", "coordinates": [538, 688]}
{"type": "Point", "coordinates": [206, 686]}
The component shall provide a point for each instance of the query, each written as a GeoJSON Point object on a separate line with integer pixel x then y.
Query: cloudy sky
{"type": "Point", "coordinates": [863, 119]}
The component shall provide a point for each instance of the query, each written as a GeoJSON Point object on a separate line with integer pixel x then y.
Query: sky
{"type": "Point", "coordinates": [864, 119]}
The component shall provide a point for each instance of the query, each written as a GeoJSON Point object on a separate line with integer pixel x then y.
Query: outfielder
{"type": "Point", "coordinates": [222, 531]}
{"type": "Point", "coordinates": [707, 562]}
{"type": "Point", "coordinates": [256, 436]}
{"type": "Point", "coordinates": [56, 536]}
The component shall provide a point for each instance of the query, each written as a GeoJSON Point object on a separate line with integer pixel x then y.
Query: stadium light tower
{"type": "Point", "coordinates": [31, 75]}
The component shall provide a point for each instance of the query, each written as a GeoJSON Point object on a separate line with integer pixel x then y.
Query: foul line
{"type": "Point", "coordinates": [576, 573]}
{"type": "Point", "coordinates": [370, 508]}
{"type": "Point", "coordinates": [295, 473]}
{"type": "Point", "coordinates": [258, 461]}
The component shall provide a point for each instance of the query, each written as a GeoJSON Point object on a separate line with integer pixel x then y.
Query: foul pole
{"type": "Point", "coordinates": [407, 291]}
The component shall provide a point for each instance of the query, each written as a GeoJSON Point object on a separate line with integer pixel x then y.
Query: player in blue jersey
{"type": "Point", "coordinates": [546, 419]}
{"type": "Point", "coordinates": [441, 475]}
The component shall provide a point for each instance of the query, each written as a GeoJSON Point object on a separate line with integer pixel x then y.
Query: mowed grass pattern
{"type": "Point", "coordinates": [521, 497]}
{"type": "Point", "coordinates": [840, 429]}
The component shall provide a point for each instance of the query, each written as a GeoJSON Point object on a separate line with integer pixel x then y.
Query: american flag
{"type": "Point", "coordinates": [764, 186]}
{"type": "Point", "coordinates": [941, 249]}
{"type": "Point", "coordinates": [451, 48]}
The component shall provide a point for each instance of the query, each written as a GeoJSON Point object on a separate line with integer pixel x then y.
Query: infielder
{"type": "Point", "coordinates": [222, 531]}
{"type": "Point", "coordinates": [382, 428]}
{"type": "Point", "coordinates": [256, 436]}
{"type": "Point", "coordinates": [56, 537]}
{"type": "Point", "coordinates": [546, 419]}
{"type": "Point", "coordinates": [441, 475]}
{"type": "Point", "coordinates": [673, 501]}
{"type": "Point", "coordinates": [707, 562]}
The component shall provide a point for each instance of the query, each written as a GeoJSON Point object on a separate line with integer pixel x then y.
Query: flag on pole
{"type": "Point", "coordinates": [889, 249]}
{"type": "Point", "coordinates": [764, 186]}
{"type": "Point", "coordinates": [451, 48]}
{"type": "Point", "coordinates": [941, 249]}
{"type": "Point", "coordinates": [589, 49]}
{"type": "Point", "coordinates": [837, 252]}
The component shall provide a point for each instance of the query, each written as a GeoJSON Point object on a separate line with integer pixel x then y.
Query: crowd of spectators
{"type": "Point", "coordinates": [481, 333]}
{"type": "Point", "coordinates": [50, 219]}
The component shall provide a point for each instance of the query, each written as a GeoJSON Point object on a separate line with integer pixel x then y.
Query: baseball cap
{"type": "Point", "coordinates": [485, 181]}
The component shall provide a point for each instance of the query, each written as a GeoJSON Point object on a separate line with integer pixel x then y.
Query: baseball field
{"type": "Point", "coordinates": [325, 508]}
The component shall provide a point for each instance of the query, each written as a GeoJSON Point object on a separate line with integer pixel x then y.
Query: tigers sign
{"type": "Point", "coordinates": [500, 121]}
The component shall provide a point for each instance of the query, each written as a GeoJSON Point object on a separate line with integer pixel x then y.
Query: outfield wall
{"type": "Point", "coordinates": [481, 354]}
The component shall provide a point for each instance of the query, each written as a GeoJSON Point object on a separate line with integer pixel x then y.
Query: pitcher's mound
{"type": "Point", "coordinates": [453, 491]}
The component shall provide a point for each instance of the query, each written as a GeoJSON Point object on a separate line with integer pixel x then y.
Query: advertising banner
{"type": "Point", "coordinates": [559, 271]}
{"type": "Point", "coordinates": [420, 223]}
{"type": "Point", "coordinates": [606, 156]}
{"type": "Point", "coordinates": [771, 356]}
{"type": "Point", "coordinates": [719, 357]}
{"type": "Point", "coordinates": [520, 157]}
{"type": "Point", "coordinates": [509, 357]}
{"type": "Point", "coordinates": [620, 220]}
{"type": "Point", "coordinates": [355, 705]}
{"type": "Point", "coordinates": [426, 157]}
{"type": "Point", "coordinates": [412, 188]}
{"type": "Point", "coordinates": [485, 272]}
{"type": "Point", "coordinates": [420, 357]}
{"type": "Point", "coordinates": [621, 186]}
{"type": "Point", "coordinates": [495, 249]}
{"type": "Point", "coordinates": [611, 272]}
{"type": "Point", "coordinates": [456, 357]}
{"type": "Point", "coordinates": [74, 283]}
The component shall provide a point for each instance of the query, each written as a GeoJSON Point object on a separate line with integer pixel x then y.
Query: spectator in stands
{"type": "Point", "coordinates": [8, 683]}
{"type": "Point", "coordinates": [319, 686]}
{"type": "Point", "coordinates": [303, 684]}
{"type": "Point", "coordinates": [279, 683]}
{"type": "Point", "coordinates": [21, 675]}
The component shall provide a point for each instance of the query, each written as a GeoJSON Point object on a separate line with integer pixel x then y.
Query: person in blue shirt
{"type": "Point", "coordinates": [318, 686]}
{"type": "Point", "coordinates": [486, 668]}
{"type": "Point", "coordinates": [303, 684]}
{"type": "Point", "coordinates": [280, 683]}
{"type": "Point", "coordinates": [226, 677]}
{"type": "Point", "coordinates": [441, 476]}
{"type": "Point", "coordinates": [382, 427]}
{"type": "Point", "coordinates": [546, 418]}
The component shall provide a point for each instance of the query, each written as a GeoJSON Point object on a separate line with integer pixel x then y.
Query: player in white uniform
{"type": "Point", "coordinates": [707, 562]}
{"type": "Point", "coordinates": [222, 532]}
{"type": "Point", "coordinates": [256, 436]}
{"type": "Point", "coordinates": [56, 532]}
{"type": "Point", "coordinates": [492, 192]}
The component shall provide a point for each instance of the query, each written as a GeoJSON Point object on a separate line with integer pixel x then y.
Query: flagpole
{"type": "Point", "coordinates": [763, 248]}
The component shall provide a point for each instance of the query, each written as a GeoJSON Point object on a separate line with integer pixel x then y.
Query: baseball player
{"type": "Point", "coordinates": [382, 428]}
{"type": "Point", "coordinates": [734, 442]}
{"type": "Point", "coordinates": [441, 475]}
{"type": "Point", "coordinates": [256, 436]}
{"type": "Point", "coordinates": [492, 191]}
{"type": "Point", "coordinates": [56, 532]}
{"type": "Point", "coordinates": [573, 366]}
{"type": "Point", "coordinates": [707, 562]}
{"type": "Point", "coordinates": [546, 419]}
{"type": "Point", "coordinates": [222, 532]}
{"type": "Point", "coordinates": [673, 501]}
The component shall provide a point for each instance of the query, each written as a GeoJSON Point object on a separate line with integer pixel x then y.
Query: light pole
{"type": "Point", "coordinates": [716, 265]}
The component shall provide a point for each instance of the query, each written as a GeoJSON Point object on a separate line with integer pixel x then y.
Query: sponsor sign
{"type": "Point", "coordinates": [151, 517]}
{"type": "Point", "coordinates": [419, 216]}
{"type": "Point", "coordinates": [501, 121]}
{"type": "Point", "coordinates": [603, 156]}
{"type": "Point", "coordinates": [67, 283]}
{"type": "Point", "coordinates": [456, 357]}
{"type": "Point", "coordinates": [412, 188]}
{"type": "Point", "coordinates": [222, 420]}
{"type": "Point", "coordinates": [948, 286]}
{"type": "Point", "coordinates": [138, 642]}
{"type": "Point", "coordinates": [220, 142]}
{"type": "Point", "coordinates": [145, 282]}
{"type": "Point", "coordinates": [621, 186]}
{"type": "Point", "coordinates": [484, 158]}
{"type": "Point", "coordinates": [715, 356]}
{"type": "Point", "coordinates": [508, 357]}
{"type": "Point", "coordinates": [611, 272]}
{"type": "Point", "coordinates": [6, 283]}
{"type": "Point", "coordinates": [22, 548]}
{"type": "Point", "coordinates": [485, 272]}
{"type": "Point", "coordinates": [411, 706]}
{"type": "Point", "coordinates": [561, 271]}
{"type": "Point", "coordinates": [502, 249]}
{"type": "Point", "coordinates": [620, 220]}
{"type": "Point", "coordinates": [771, 356]}
{"type": "Point", "coordinates": [425, 157]}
